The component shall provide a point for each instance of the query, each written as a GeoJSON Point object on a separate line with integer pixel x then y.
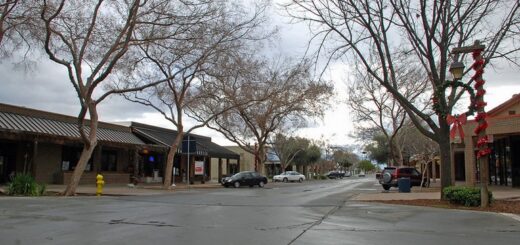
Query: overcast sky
{"type": "Point", "coordinates": [47, 88]}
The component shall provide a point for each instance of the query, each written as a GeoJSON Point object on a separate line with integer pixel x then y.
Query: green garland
{"type": "Point", "coordinates": [453, 84]}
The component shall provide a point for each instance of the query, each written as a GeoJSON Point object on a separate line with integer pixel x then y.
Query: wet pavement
{"type": "Point", "coordinates": [314, 212]}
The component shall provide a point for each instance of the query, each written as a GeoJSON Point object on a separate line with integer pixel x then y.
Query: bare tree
{"type": "Point", "coordinates": [284, 95]}
{"type": "Point", "coordinates": [88, 39]}
{"type": "Point", "coordinates": [373, 107]}
{"type": "Point", "coordinates": [419, 148]}
{"type": "Point", "coordinates": [425, 29]}
{"type": "Point", "coordinates": [19, 25]}
{"type": "Point", "coordinates": [200, 62]}
{"type": "Point", "coordinates": [288, 148]}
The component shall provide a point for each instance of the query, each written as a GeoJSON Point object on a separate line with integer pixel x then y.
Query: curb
{"type": "Point", "coordinates": [513, 216]}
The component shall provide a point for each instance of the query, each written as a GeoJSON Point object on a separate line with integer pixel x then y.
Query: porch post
{"type": "Point", "coordinates": [219, 169]}
{"type": "Point", "coordinates": [227, 166]}
{"type": "Point", "coordinates": [33, 160]}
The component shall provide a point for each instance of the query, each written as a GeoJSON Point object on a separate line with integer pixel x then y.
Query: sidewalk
{"type": "Point", "coordinates": [128, 190]}
{"type": "Point", "coordinates": [433, 192]}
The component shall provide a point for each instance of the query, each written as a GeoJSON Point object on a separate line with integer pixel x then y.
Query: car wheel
{"type": "Point", "coordinates": [300, 180]}
{"type": "Point", "coordinates": [236, 184]}
{"type": "Point", "coordinates": [387, 178]}
{"type": "Point", "coordinates": [386, 187]}
{"type": "Point", "coordinates": [285, 180]}
{"type": "Point", "coordinates": [261, 184]}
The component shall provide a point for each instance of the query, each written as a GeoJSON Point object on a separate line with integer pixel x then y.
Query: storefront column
{"type": "Point", "coordinates": [219, 169]}
{"type": "Point", "coordinates": [33, 160]}
{"type": "Point", "coordinates": [227, 166]}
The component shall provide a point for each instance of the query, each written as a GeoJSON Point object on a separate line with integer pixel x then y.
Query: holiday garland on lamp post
{"type": "Point", "coordinates": [480, 130]}
{"type": "Point", "coordinates": [456, 120]}
{"type": "Point", "coordinates": [479, 104]}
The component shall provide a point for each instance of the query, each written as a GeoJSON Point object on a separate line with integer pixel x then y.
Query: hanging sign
{"type": "Point", "coordinates": [199, 167]}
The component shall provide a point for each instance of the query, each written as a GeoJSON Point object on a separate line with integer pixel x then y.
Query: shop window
{"type": "Point", "coordinates": [70, 158]}
{"type": "Point", "coordinates": [109, 161]}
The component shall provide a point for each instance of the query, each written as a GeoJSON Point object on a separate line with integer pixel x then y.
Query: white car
{"type": "Point", "coordinates": [289, 176]}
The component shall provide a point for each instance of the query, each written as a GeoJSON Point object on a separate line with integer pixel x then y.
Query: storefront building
{"type": "Point", "coordinates": [47, 145]}
{"type": "Point", "coordinates": [504, 134]}
{"type": "Point", "coordinates": [197, 160]}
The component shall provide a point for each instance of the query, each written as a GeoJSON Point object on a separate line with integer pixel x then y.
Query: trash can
{"type": "Point", "coordinates": [404, 184]}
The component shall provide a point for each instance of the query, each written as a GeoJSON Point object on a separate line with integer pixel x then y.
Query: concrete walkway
{"type": "Point", "coordinates": [499, 192]}
{"type": "Point", "coordinates": [128, 190]}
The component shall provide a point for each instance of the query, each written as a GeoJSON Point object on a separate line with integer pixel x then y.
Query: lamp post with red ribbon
{"type": "Point", "coordinates": [479, 103]}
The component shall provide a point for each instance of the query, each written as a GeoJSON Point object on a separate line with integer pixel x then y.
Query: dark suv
{"type": "Point", "coordinates": [390, 175]}
{"type": "Point", "coordinates": [335, 175]}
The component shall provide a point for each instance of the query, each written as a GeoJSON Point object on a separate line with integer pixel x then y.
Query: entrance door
{"type": "Point", "coordinates": [460, 169]}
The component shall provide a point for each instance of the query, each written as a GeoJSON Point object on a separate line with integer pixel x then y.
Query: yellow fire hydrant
{"type": "Point", "coordinates": [99, 183]}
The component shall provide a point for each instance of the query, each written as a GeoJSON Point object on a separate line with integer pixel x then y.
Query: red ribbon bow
{"type": "Point", "coordinates": [457, 122]}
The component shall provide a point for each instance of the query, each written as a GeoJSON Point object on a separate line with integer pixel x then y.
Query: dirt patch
{"type": "Point", "coordinates": [498, 206]}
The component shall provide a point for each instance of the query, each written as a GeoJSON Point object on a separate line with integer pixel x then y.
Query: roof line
{"type": "Point", "coordinates": [150, 137]}
{"type": "Point", "coordinates": [159, 129]}
{"type": "Point", "coordinates": [36, 113]}
{"type": "Point", "coordinates": [515, 98]}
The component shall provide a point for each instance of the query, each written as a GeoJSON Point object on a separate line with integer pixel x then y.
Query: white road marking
{"type": "Point", "coordinates": [513, 216]}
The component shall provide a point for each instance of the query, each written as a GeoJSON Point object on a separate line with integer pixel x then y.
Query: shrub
{"type": "Point", "coordinates": [467, 196]}
{"type": "Point", "coordinates": [25, 185]}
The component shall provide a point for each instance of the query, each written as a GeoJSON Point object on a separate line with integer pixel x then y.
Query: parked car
{"type": "Point", "coordinates": [245, 178]}
{"type": "Point", "coordinates": [361, 174]}
{"type": "Point", "coordinates": [335, 175]}
{"type": "Point", "coordinates": [289, 176]}
{"type": "Point", "coordinates": [390, 175]}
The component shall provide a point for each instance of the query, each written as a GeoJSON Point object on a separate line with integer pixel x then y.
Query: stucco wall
{"type": "Point", "coordinates": [247, 160]}
{"type": "Point", "coordinates": [47, 161]}
{"type": "Point", "coordinates": [505, 112]}
{"type": "Point", "coordinates": [214, 168]}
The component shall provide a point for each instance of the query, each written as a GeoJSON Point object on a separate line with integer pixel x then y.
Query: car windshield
{"type": "Point", "coordinates": [237, 175]}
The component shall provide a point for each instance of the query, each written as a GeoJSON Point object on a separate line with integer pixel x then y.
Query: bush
{"type": "Point", "coordinates": [467, 196]}
{"type": "Point", "coordinates": [25, 185]}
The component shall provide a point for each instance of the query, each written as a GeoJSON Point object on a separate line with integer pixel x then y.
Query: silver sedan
{"type": "Point", "coordinates": [289, 176]}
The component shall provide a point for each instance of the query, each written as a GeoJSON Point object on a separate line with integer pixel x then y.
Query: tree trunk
{"type": "Point", "coordinates": [168, 173]}
{"type": "Point", "coordinates": [80, 168]}
{"type": "Point", "coordinates": [396, 154]}
{"type": "Point", "coordinates": [445, 157]}
{"type": "Point", "coordinates": [89, 145]}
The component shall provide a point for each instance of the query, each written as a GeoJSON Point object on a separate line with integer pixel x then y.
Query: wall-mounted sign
{"type": "Point", "coordinates": [65, 165]}
{"type": "Point", "coordinates": [199, 167]}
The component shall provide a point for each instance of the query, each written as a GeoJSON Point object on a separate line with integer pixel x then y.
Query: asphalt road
{"type": "Point", "coordinates": [318, 212]}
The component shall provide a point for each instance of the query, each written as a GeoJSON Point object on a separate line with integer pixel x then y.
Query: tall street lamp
{"type": "Point", "coordinates": [457, 69]}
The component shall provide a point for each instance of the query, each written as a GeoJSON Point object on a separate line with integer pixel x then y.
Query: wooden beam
{"type": "Point", "coordinates": [468, 49]}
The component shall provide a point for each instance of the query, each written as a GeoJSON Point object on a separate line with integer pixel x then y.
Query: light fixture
{"type": "Point", "coordinates": [457, 69]}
